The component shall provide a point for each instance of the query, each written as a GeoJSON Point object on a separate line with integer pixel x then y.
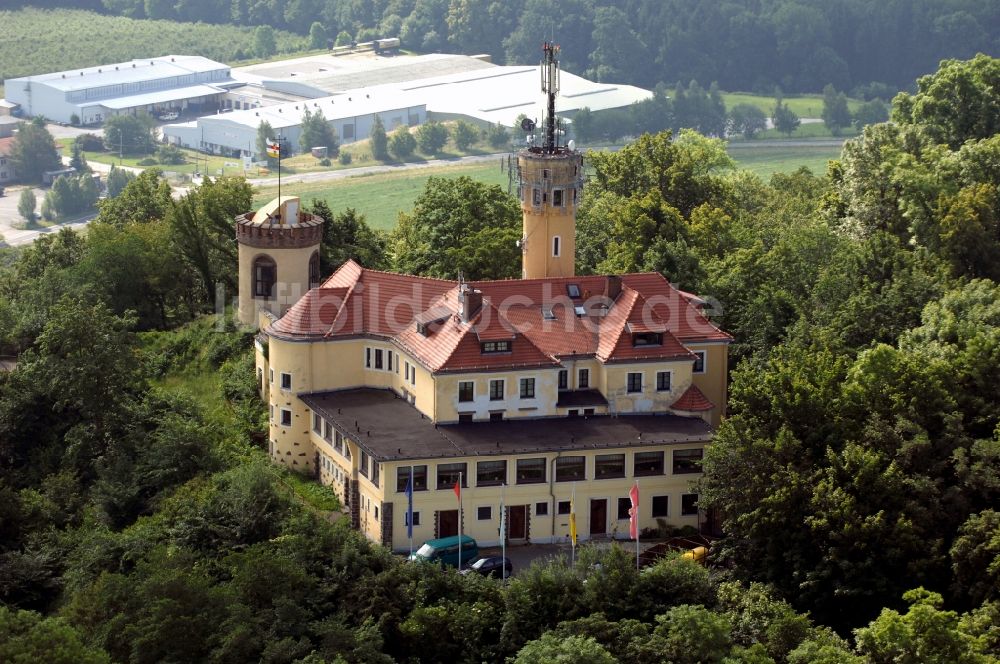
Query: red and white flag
{"type": "Point", "coordinates": [633, 514]}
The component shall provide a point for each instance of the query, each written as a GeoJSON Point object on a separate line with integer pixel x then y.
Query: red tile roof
{"type": "Point", "coordinates": [692, 401]}
{"type": "Point", "coordinates": [542, 322]}
{"type": "Point", "coordinates": [7, 144]}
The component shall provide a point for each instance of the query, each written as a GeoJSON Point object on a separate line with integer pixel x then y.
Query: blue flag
{"type": "Point", "coordinates": [409, 505]}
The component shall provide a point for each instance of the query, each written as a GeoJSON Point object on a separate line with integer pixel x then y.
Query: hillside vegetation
{"type": "Point", "coordinates": [37, 41]}
{"type": "Point", "coordinates": [800, 45]}
{"type": "Point", "coordinates": [857, 472]}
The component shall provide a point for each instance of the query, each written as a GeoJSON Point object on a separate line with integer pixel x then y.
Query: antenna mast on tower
{"type": "Point", "coordinates": [550, 87]}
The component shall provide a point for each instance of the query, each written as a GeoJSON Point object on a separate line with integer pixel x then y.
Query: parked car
{"type": "Point", "coordinates": [169, 116]}
{"type": "Point", "coordinates": [491, 566]}
{"type": "Point", "coordinates": [445, 551]}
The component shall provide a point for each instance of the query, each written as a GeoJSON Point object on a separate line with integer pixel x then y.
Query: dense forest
{"type": "Point", "coordinates": [871, 48]}
{"type": "Point", "coordinates": [858, 471]}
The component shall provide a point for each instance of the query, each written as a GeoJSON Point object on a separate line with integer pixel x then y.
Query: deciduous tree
{"type": "Point", "coordinates": [34, 151]}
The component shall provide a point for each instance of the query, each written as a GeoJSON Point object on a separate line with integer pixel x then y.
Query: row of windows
{"type": "Point", "coordinates": [560, 197]}
{"type": "Point", "coordinates": [323, 428]}
{"type": "Point", "coordinates": [659, 508]}
{"type": "Point", "coordinates": [567, 469]}
{"type": "Point", "coordinates": [467, 389]}
{"type": "Point", "coordinates": [582, 379]}
{"type": "Point", "coordinates": [379, 359]}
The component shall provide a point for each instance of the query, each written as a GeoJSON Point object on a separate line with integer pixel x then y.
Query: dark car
{"type": "Point", "coordinates": [490, 566]}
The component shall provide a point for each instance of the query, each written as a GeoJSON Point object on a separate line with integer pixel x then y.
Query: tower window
{"type": "Point", "coordinates": [314, 270]}
{"type": "Point", "coordinates": [555, 246]}
{"type": "Point", "coordinates": [536, 196]}
{"type": "Point", "coordinates": [264, 276]}
{"type": "Point", "coordinates": [557, 197]}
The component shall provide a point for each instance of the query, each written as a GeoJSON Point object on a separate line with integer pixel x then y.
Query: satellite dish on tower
{"type": "Point", "coordinates": [528, 125]}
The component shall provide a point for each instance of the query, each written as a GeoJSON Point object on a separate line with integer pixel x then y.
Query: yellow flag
{"type": "Point", "coordinates": [572, 522]}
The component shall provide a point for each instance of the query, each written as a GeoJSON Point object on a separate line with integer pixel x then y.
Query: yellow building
{"type": "Point", "coordinates": [536, 392]}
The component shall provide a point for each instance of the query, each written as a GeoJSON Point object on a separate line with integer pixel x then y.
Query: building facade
{"type": "Point", "coordinates": [539, 396]}
{"type": "Point", "coordinates": [169, 83]}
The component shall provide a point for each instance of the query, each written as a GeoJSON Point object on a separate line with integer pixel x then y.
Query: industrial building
{"type": "Point", "coordinates": [174, 83]}
{"type": "Point", "coordinates": [352, 89]}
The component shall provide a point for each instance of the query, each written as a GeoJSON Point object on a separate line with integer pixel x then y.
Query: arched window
{"type": "Point", "coordinates": [314, 270]}
{"type": "Point", "coordinates": [264, 276]}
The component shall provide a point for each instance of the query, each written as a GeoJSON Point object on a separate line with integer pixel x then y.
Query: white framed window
{"type": "Point", "coordinates": [368, 358]}
{"type": "Point", "coordinates": [286, 381]}
{"type": "Point", "coordinates": [413, 375]}
{"type": "Point", "coordinates": [555, 246]}
{"type": "Point", "coordinates": [286, 417]}
{"type": "Point", "coordinates": [663, 381]}
{"type": "Point", "coordinates": [270, 376]}
{"type": "Point", "coordinates": [389, 359]}
{"type": "Point", "coordinates": [700, 362]}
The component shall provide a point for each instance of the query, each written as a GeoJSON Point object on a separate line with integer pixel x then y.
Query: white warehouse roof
{"type": "Point", "coordinates": [134, 71]}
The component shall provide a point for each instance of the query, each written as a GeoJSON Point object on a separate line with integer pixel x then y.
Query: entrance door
{"type": "Point", "coordinates": [598, 517]}
{"type": "Point", "coordinates": [447, 523]}
{"type": "Point", "coordinates": [517, 515]}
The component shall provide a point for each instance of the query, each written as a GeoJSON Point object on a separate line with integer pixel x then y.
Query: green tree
{"type": "Point", "coordinates": [956, 103]}
{"type": "Point", "coordinates": [693, 634]}
{"type": "Point", "coordinates": [551, 648]}
{"type": "Point", "coordinates": [496, 135]}
{"type": "Point", "coordinates": [144, 199]}
{"type": "Point", "coordinates": [264, 43]}
{"type": "Point", "coordinates": [347, 235]}
{"type": "Point", "coordinates": [459, 225]}
{"type": "Point", "coordinates": [464, 134]}
{"type": "Point", "coordinates": [379, 140]}
{"type": "Point", "coordinates": [975, 557]}
{"type": "Point", "coordinates": [836, 115]}
{"type": "Point", "coordinates": [26, 205]}
{"type": "Point", "coordinates": [118, 179]}
{"type": "Point", "coordinates": [785, 120]}
{"type": "Point", "coordinates": [870, 112]}
{"type": "Point", "coordinates": [402, 143]}
{"type": "Point", "coordinates": [26, 636]}
{"type": "Point", "coordinates": [747, 119]}
{"type": "Point", "coordinates": [317, 35]}
{"type": "Point", "coordinates": [201, 223]}
{"type": "Point", "coordinates": [317, 132]}
{"type": "Point", "coordinates": [924, 634]}
{"type": "Point", "coordinates": [344, 38]}
{"type": "Point", "coordinates": [130, 134]}
{"type": "Point", "coordinates": [79, 160]}
{"type": "Point", "coordinates": [431, 137]}
{"type": "Point", "coordinates": [34, 151]}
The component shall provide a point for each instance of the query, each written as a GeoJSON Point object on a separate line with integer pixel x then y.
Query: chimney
{"type": "Point", "coordinates": [613, 286]}
{"type": "Point", "coordinates": [470, 301]}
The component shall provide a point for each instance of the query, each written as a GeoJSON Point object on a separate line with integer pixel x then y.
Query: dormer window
{"type": "Point", "coordinates": [573, 290]}
{"type": "Point", "coordinates": [647, 339]}
{"type": "Point", "coordinates": [495, 346]}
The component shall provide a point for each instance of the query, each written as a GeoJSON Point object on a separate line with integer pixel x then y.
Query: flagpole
{"type": "Point", "coordinates": [572, 534]}
{"type": "Point", "coordinates": [503, 534]}
{"type": "Point", "coordinates": [637, 526]}
{"type": "Point", "coordinates": [410, 512]}
{"type": "Point", "coordinates": [279, 168]}
{"type": "Point", "coordinates": [460, 521]}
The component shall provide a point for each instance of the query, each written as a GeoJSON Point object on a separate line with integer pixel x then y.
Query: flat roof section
{"type": "Point", "coordinates": [157, 97]}
{"type": "Point", "coordinates": [389, 429]}
{"type": "Point", "coordinates": [347, 72]}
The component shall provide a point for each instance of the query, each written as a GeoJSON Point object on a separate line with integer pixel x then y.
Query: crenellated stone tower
{"type": "Point", "coordinates": [278, 257]}
{"type": "Point", "coordinates": [550, 183]}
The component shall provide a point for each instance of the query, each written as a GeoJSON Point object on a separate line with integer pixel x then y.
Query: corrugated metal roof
{"type": "Point", "coordinates": [125, 72]}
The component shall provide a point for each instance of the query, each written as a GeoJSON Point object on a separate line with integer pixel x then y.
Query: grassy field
{"type": "Point", "coordinates": [805, 106]}
{"type": "Point", "coordinates": [765, 161]}
{"type": "Point", "coordinates": [37, 41]}
{"type": "Point", "coordinates": [381, 197]}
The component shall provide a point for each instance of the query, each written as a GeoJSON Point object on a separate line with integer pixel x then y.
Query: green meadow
{"type": "Point", "coordinates": [382, 196]}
